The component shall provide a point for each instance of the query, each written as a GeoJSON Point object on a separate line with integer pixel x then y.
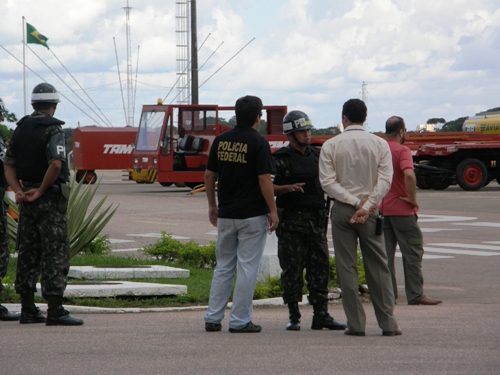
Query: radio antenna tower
{"type": "Point", "coordinates": [183, 50]}
{"type": "Point", "coordinates": [363, 92]}
{"type": "Point", "coordinates": [130, 88]}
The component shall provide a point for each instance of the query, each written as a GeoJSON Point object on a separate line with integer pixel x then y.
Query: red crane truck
{"type": "Point", "coordinates": [173, 141]}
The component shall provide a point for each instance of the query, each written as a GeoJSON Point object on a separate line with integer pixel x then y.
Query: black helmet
{"type": "Point", "coordinates": [44, 93]}
{"type": "Point", "coordinates": [295, 121]}
{"type": "Point", "coordinates": [2, 107]}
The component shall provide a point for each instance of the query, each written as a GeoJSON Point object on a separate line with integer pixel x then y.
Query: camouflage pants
{"type": "Point", "coordinates": [298, 251]}
{"type": "Point", "coordinates": [4, 244]}
{"type": "Point", "coordinates": [44, 247]}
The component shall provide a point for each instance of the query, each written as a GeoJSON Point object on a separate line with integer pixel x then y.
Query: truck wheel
{"type": "Point", "coordinates": [79, 175]}
{"type": "Point", "coordinates": [438, 183]}
{"type": "Point", "coordinates": [90, 177]}
{"type": "Point", "coordinates": [421, 180]}
{"type": "Point", "coordinates": [471, 174]}
{"type": "Point", "coordinates": [192, 185]}
{"type": "Point", "coordinates": [165, 183]}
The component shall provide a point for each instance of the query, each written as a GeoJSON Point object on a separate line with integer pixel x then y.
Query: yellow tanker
{"type": "Point", "coordinates": [484, 122]}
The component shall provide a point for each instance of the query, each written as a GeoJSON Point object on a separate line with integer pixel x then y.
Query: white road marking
{"type": "Point", "coordinates": [422, 218]}
{"type": "Point", "coordinates": [468, 246]}
{"type": "Point", "coordinates": [399, 255]}
{"type": "Point", "coordinates": [157, 235]}
{"type": "Point", "coordinates": [112, 240]}
{"type": "Point", "coordinates": [429, 256]}
{"type": "Point", "coordinates": [479, 224]}
{"type": "Point", "coordinates": [435, 230]}
{"type": "Point", "coordinates": [459, 252]}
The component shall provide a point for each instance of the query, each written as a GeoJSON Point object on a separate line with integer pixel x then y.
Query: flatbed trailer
{"type": "Point", "coordinates": [469, 159]}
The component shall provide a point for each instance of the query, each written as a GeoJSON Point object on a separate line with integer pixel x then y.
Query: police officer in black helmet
{"type": "Point", "coordinates": [4, 235]}
{"type": "Point", "coordinates": [37, 156]}
{"type": "Point", "coordinates": [302, 243]}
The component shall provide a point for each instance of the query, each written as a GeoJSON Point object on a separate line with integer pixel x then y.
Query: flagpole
{"type": "Point", "coordinates": [24, 65]}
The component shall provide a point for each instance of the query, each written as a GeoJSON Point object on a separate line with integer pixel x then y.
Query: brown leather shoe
{"type": "Point", "coordinates": [428, 301]}
{"type": "Point", "coordinates": [397, 332]}
{"type": "Point", "coordinates": [352, 333]}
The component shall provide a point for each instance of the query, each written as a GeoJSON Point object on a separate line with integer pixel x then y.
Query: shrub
{"type": "Point", "coordinates": [166, 248]}
{"type": "Point", "coordinates": [99, 246]}
{"type": "Point", "coordinates": [191, 253]}
{"type": "Point", "coordinates": [8, 293]}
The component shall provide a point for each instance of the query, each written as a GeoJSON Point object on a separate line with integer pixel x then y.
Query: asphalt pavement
{"type": "Point", "coordinates": [459, 336]}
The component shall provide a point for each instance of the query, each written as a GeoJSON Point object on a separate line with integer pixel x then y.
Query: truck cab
{"type": "Point", "coordinates": [173, 141]}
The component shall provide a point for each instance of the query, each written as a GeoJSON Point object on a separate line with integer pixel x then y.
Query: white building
{"type": "Point", "coordinates": [422, 128]}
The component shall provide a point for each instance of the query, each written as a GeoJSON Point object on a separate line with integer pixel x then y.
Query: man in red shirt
{"type": "Point", "coordinates": [399, 208]}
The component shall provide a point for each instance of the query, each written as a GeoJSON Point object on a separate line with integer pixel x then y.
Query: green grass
{"type": "Point", "coordinates": [198, 285]}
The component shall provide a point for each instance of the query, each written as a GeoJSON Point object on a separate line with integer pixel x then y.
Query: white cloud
{"type": "Point", "coordinates": [420, 58]}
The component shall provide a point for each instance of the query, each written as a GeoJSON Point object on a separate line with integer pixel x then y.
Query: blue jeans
{"type": "Point", "coordinates": [240, 244]}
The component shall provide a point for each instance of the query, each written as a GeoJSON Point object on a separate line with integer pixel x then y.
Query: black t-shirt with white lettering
{"type": "Point", "coordinates": [240, 156]}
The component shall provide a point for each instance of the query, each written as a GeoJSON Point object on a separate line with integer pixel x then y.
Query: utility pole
{"type": "Point", "coordinates": [194, 55]}
{"type": "Point", "coordinates": [130, 89]}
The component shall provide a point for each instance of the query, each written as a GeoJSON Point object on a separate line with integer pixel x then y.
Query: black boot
{"type": "Point", "coordinates": [6, 315]}
{"type": "Point", "coordinates": [29, 312]}
{"type": "Point", "coordinates": [321, 319]}
{"type": "Point", "coordinates": [57, 316]}
{"type": "Point", "coordinates": [294, 315]}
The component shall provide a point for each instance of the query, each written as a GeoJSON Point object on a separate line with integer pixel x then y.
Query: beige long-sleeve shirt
{"type": "Point", "coordinates": [355, 165]}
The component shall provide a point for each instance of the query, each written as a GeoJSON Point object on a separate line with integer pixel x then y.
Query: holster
{"type": "Point", "coordinates": [63, 197]}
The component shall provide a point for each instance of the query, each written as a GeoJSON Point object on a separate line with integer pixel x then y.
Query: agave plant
{"type": "Point", "coordinates": [83, 227]}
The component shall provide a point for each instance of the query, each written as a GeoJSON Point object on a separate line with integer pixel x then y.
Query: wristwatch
{"type": "Point", "coordinates": [357, 204]}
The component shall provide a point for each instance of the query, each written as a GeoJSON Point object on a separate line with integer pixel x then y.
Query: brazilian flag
{"type": "Point", "coordinates": [35, 37]}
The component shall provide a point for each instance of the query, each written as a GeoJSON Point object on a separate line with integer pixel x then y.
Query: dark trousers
{"type": "Point", "coordinates": [345, 240]}
{"type": "Point", "coordinates": [298, 251]}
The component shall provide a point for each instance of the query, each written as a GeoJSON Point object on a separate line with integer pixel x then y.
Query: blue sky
{"type": "Point", "coordinates": [419, 58]}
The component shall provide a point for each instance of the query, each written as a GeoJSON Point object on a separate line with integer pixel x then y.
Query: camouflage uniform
{"type": "Point", "coordinates": [43, 245]}
{"type": "Point", "coordinates": [4, 234]}
{"type": "Point", "coordinates": [302, 242]}
{"type": "Point", "coordinates": [4, 242]}
{"type": "Point", "coordinates": [43, 224]}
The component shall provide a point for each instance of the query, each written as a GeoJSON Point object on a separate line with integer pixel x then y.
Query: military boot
{"type": "Point", "coordinates": [321, 319]}
{"type": "Point", "coordinates": [29, 312]}
{"type": "Point", "coordinates": [294, 316]}
{"type": "Point", "coordinates": [57, 315]}
{"type": "Point", "coordinates": [6, 315]}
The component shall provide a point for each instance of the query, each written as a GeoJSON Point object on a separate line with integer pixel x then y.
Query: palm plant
{"type": "Point", "coordinates": [83, 226]}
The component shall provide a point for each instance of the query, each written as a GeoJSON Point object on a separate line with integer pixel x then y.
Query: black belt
{"type": "Point", "coordinates": [300, 215]}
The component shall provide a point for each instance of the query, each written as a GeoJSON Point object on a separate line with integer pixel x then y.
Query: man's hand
{"type": "Point", "coordinates": [360, 216]}
{"type": "Point", "coordinates": [32, 195]}
{"type": "Point", "coordinates": [20, 197]}
{"type": "Point", "coordinates": [273, 221]}
{"type": "Point", "coordinates": [413, 203]}
{"type": "Point", "coordinates": [296, 187]}
{"type": "Point", "coordinates": [212, 215]}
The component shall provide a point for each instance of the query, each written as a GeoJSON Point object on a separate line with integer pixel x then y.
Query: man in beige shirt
{"type": "Point", "coordinates": [355, 169]}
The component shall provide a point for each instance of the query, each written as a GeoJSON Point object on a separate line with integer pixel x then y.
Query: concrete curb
{"type": "Point", "coordinates": [270, 302]}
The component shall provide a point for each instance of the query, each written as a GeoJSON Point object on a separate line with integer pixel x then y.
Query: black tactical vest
{"type": "Point", "coordinates": [29, 143]}
{"type": "Point", "coordinates": [294, 167]}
